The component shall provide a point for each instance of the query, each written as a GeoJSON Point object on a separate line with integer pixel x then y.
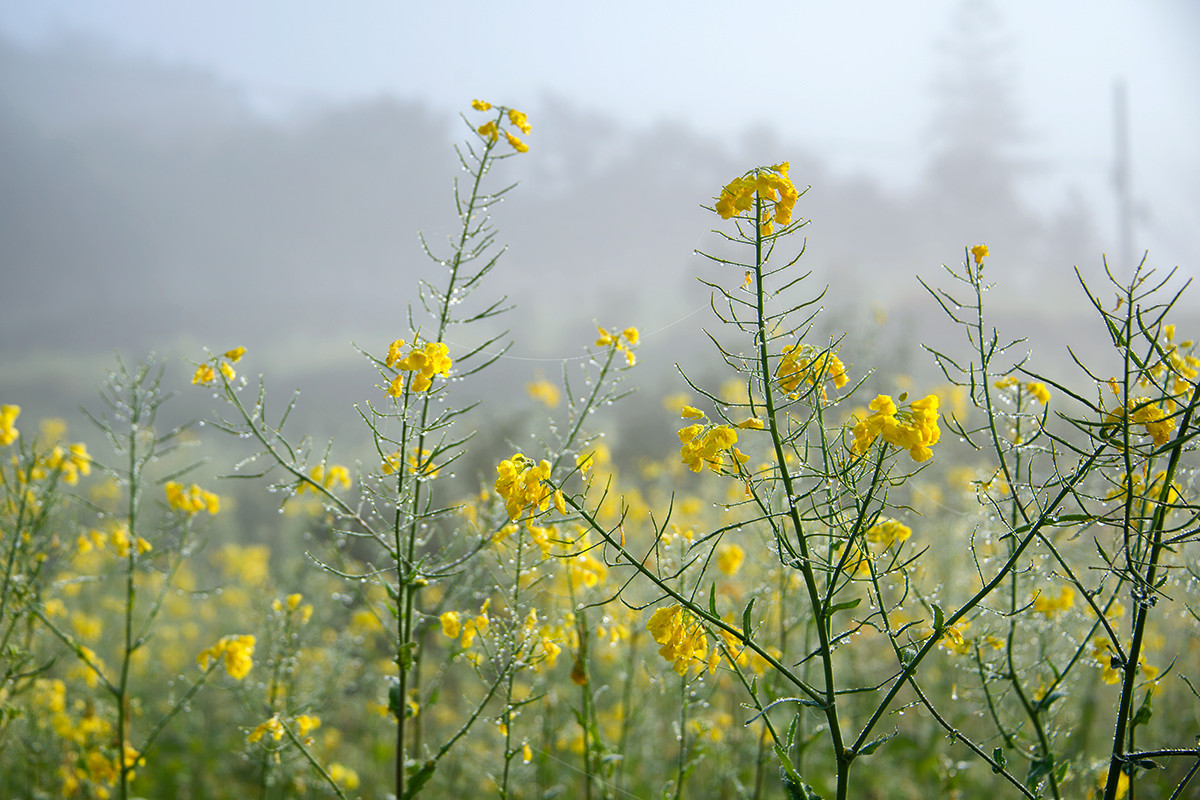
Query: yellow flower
{"type": "Point", "coordinates": [306, 724]}
{"type": "Point", "coordinates": [683, 640]}
{"type": "Point", "coordinates": [343, 776]}
{"type": "Point", "coordinates": [516, 143]}
{"type": "Point", "coordinates": [774, 190]}
{"type": "Point", "coordinates": [544, 391]}
{"type": "Point", "coordinates": [480, 105]}
{"type": "Point", "coordinates": [1039, 392]}
{"type": "Point", "coordinates": [915, 429]}
{"type": "Point", "coordinates": [522, 485]}
{"type": "Point", "coordinates": [272, 726]}
{"type": "Point", "coordinates": [236, 651]}
{"type": "Point", "coordinates": [191, 500]}
{"type": "Point", "coordinates": [1050, 605]}
{"type": "Point", "coordinates": [451, 627]}
{"type": "Point", "coordinates": [8, 433]}
{"type": "Point", "coordinates": [730, 558]}
{"type": "Point", "coordinates": [235, 355]}
{"type": "Point", "coordinates": [804, 363]}
{"type": "Point", "coordinates": [425, 362]}
{"type": "Point", "coordinates": [887, 532]}
{"type": "Point", "coordinates": [326, 477]}
{"type": "Point", "coordinates": [489, 130]}
{"type": "Point", "coordinates": [703, 448]}
{"type": "Point", "coordinates": [518, 118]}
{"type": "Point", "coordinates": [204, 375]}
{"type": "Point", "coordinates": [979, 252]}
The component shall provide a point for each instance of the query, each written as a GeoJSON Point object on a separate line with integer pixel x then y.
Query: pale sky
{"type": "Point", "coordinates": [850, 80]}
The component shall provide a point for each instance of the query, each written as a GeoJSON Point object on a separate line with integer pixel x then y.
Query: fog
{"type": "Point", "coordinates": [147, 206]}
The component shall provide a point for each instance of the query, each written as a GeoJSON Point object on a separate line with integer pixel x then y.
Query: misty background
{"type": "Point", "coordinates": [165, 185]}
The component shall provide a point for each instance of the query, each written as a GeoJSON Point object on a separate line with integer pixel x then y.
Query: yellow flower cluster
{"type": "Point", "coordinates": [522, 485]}
{"type": "Point", "coordinates": [327, 477]}
{"type": "Point", "coordinates": [491, 130]}
{"type": "Point", "coordinates": [915, 430]}
{"type": "Point", "coordinates": [236, 651]}
{"type": "Point", "coordinates": [706, 446]}
{"type": "Point", "coordinates": [69, 463]}
{"type": "Point", "coordinates": [624, 341]}
{"type": "Point", "coordinates": [773, 187]}
{"type": "Point", "coordinates": [273, 726]}
{"type": "Point", "coordinates": [1105, 655]}
{"type": "Point", "coordinates": [1051, 605]}
{"type": "Point", "coordinates": [421, 466]}
{"type": "Point", "coordinates": [1035, 388]}
{"type": "Point", "coordinates": [192, 499]}
{"type": "Point", "coordinates": [453, 626]}
{"type": "Point", "coordinates": [888, 532]}
{"type": "Point", "coordinates": [729, 558]}
{"type": "Point", "coordinates": [8, 416]}
{"type": "Point", "coordinates": [305, 724]}
{"type": "Point", "coordinates": [1141, 411]}
{"type": "Point", "coordinates": [979, 252]}
{"type": "Point", "coordinates": [293, 602]}
{"type": "Point", "coordinates": [544, 392]}
{"type": "Point", "coordinates": [206, 373]}
{"type": "Point", "coordinates": [119, 539]}
{"type": "Point", "coordinates": [425, 362]}
{"type": "Point", "coordinates": [804, 363]}
{"type": "Point", "coordinates": [683, 640]}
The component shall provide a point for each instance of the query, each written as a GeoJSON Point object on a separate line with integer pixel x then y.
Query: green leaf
{"type": "Point", "coordinates": [1047, 701]}
{"type": "Point", "coordinates": [418, 778]}
{"type": "Point", "coordinates": [796, 788]}
{"type": "Point", "coordinates": [844, 606]}
{"type": "Point", "coordinates": [873, 745]}
{"type": "Point", "coordinates": [1001, 761]}
{"type": "Point", "coordinates": [1039, 768]}
{"type": "Point", "coordinates": [746, 621]}
{"type": "Point", "coordinates": [1144, 712]}
{"type": "Point", "coordinates": [712, 600]}
{"type": "Point", "coordinates": [939, 619]}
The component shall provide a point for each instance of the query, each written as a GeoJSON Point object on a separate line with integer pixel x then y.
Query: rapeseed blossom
{"type": "Point", "coordinates": [624, 340]}
{"type": "Point", "coordinates": [326, 477]}
{"type": "Point", "coordinates": [544, 392]}
{"type": "Point", "coordinates": [1141, 411]}
{"type": "Point", "coordinates": [491, 129]}
{"type": "Point", "coordinates": [887, 532]}
{"type": "Point", "coordinates": [1052, 605]}
{"type": "Point", "coordinates": [773, 188]}
{"type": "Point", "coordinates": [206, 373]}
{"type": "Point", "coordinates": [236, 652]}
{"type": "Point", "coordinates": [979, 252]}
{"type": "Point", "coordinates": [1035, 388]}
{"type": "Point", "coordinates": [915, 429]}
{"type": "Point", "coordinates": [730, 558]}
{"type": "Point", "coordinates": [191, 500]}
{"type": "Point", "coordinates": [706, 446]}
{"type": "Point", "coordinates": [69, 463]}
{"type": "Point", "coordinates": [425, 362]}
{"type": "Point", "coordinates": [522, 485]}
{"type": "Point", "coordinates": [683, 640]}
{"type": "Point", "coordinates": [804, 363]}
{"type": "Point", "coordinates": [8, 416]}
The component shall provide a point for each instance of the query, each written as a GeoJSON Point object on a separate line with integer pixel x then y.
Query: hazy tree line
{"type": "Point", "coordinates": [146, 206]}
